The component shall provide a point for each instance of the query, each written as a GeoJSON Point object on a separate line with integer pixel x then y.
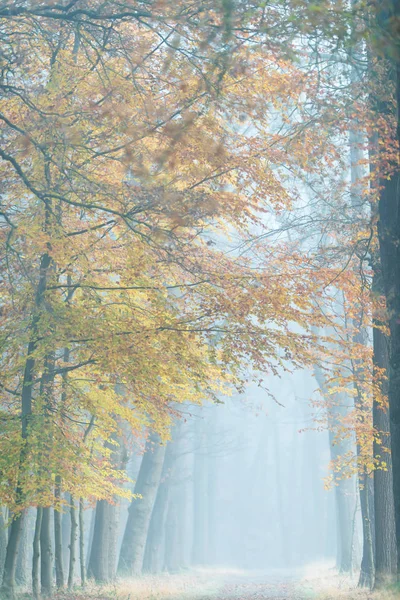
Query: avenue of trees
{"type": "Point", "coordinates": [195, 198]}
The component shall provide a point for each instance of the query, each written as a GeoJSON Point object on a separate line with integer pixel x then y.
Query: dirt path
{"type": "Point", "coordinates": [271, 585]}
{"type": "Point", "coordinates": [317, 582]}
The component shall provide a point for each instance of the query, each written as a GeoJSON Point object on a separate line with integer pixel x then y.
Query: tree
{"type": "Point", "coordinates": [140, 511]}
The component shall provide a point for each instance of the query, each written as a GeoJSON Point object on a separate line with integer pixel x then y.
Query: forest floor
{"type": "Point", "coordinates": [316, 582]}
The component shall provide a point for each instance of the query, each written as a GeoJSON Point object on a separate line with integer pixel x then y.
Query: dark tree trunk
{"type": "Point", "coordinates": [10, 563]}
{"type": "Point", "coordinates": [154, 552]}
{"type": "Point", "coordinates": [46, 554]}
{"type": "Point", "coordinates": [385, 529]}
{"type": "Point", "coordinates": [72, 544]}
{"type": "Point", "coordinates": [58, 540]}
{"type": "Point", "coordinates": [98, 566]}
{"type": "Point", "coordinates": [389, 239]}
{"type": "Point", "coordinates": [36, 555]}
{"type": "Point", "coordinates": [3, 541]}
{"type": "Point", "coordinates": [134, 540]}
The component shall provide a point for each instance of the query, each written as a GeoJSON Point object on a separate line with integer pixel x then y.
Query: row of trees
{"type": "Point", "coordinates": [150, 155]}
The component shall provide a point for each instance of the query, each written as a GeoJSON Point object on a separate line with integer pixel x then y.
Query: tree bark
{"type": "Point", "coordinates": [367, 573]}
{"type": "Point", "coordinates": [98, 566]}
{"type": "Point", "coordinates": [36, 555]}
{"type": "Point", "coordinates": [344, 490]}
{"type": "Point", "coordinates": [154, 552]}
{"type": "Point", "coordinates": [113, 520]}
{"type": "Point", "coordinates": [22, 569]}
{"type": "Point", "coordinates": [385, 529]}
{"type": "Point", "coordinates": [72, 544]}
{"type": "Point", "coordinates": [46, 554]}
{"type": "Point", "coordinates": [58, 541]}
{"type": "Point", "coordinates": [200, 491]}
{"type": "Point", "coordinates": [82, 542]}
{"type": "Point", "coordinates": [3, 540]}
{"type": "Point", "coordinates": [134, 540]}
{"type": "Point", "coordinates": [66, 534]}
{"type": "Point", "coordinates": [172, 555]}
{"type": "Point", "coordinates": [389, 240]}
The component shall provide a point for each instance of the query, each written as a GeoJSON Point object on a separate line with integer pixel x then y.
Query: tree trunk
{"type": "Point", "coordinates": [172, 555]}
{"type": "Point", "coordinates": [344, 488]}
{"type": "Point", "coordinates": [10, 563]}
{"type": "Point", "coordinates": [66, 534]}
{"type": "Point", "coordinates": [58, 542]}
{"type": "Point", "coordinates": [82, 542]}
{"type": "Point", "coordinates": [46, 555]}
{"type": "Point", "coordinates": [98, 567]}
{"type": "Point", "coordinates": [113, 520]}
{"type": "Point", "coordinates": [385, 529]}
{"type": "Point", "coordinates": [367, 564]}
{"type": "Point", "coordinates": [154, 552]}
{"type": "Point", "coordinates": [72, 544]}
{"type": "Point", "coordinates": [3, 541]}
{"type": "Point", "coordinates": [22, 569]}
{"type": "Point", "coordinates": [134, 540]}
{"type": "Point", "coordinates": [389, 240]}
{"type": "Point", "coordinates": [200, 491]}
{"type": "Point", "coordinates": [91, 533]}
{"type": "Point", "coordinates": [212, 478]}
{"type": "Point", "coordinates": [36, 554]}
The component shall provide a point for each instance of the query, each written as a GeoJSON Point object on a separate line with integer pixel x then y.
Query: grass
{"type": "Point", "coordinates": [317, 582]}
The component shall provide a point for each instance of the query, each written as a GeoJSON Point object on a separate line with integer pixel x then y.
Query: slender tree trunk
{"type": "Point", "coordinates": [36, 555]}
{"type": "Point", "coordinates": [113, 520]}
{"type": "Point", "coordinates": [82, 542]}
{"type": "Point", "coordinates": [172, 555]}
{"type": "Point", "coordinates": [154, 552]}
{"type": "Point", "coordinates": [66, 534]}
{"type": "Point", "coordinates": [285, 548]}
{"type": "Point", "coordinates": [72, 544]}
{"type": "Point", "coordinates": [98, 566]}
{"type": "Point", "coordinates": [212, 478]}
{"type": "Point", "coordinates": [3, 541]}
{"type": "Point", "coordinates": [385, 529]}
{"type": "Point", "coordinates": [200, 490]}
{"type": "Point", "coordinates": [46, 554]}
{"type": "Point", "coordinates": [134, 540]}
{"type": "Point", "coordinates": [344, 490]}
{"type": "Point", "coordinates": [91, 533]}
{"type": "Point", "coordinates": [367, 564]}
{"type": "Point", "coordinates": [58, 542]}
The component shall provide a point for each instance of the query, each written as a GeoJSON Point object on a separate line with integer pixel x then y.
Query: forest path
{"type": "Point", "coordinates": [276, 585]}
{"type": "Point", "coordinates": [314, 582]}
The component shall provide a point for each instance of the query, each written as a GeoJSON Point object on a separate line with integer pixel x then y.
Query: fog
{"type": "Point", "coordinates": [248, 483]}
